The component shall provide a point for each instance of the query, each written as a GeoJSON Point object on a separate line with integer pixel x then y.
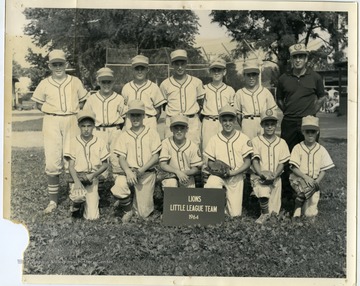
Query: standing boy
{"type": "Point", "coordinates": [270, 154]}
{"type": "Point", "coordinates": [217, 95]}
{"type": "Point", "coordinates": [138, 151]}
{"type": "Point", "coordinates": [179, 155]}
{"type": "Point", "coordinates": [145, 90]}
{"type": "Point", "coordinates": [234, 148]}
{"type": "Point", "coordinates": [87, 155]}
{"type": "Point", "coordinates": [252, 100]}
{"type": "Point", "coordinates": [59, 97]}
{"type": "Point", "coordinates": [308, 163]}
{"type": "Point", "coordinates": [184, 94]}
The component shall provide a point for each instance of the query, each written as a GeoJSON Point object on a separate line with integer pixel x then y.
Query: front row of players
{"type": "Point", "coordinates": [139, 149]}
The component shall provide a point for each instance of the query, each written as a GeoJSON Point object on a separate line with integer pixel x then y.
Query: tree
{"type": "Point", "coordinates": [85, 34]}
{"type": "Point", "coordinates": [274, 31]}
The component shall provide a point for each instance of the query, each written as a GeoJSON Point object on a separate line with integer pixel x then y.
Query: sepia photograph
{"type": "Point", "coordinates": [181, 142]}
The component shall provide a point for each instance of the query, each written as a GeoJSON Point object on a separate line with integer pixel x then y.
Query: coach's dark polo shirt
{"type": "Point", "coordinates": [299, 93]}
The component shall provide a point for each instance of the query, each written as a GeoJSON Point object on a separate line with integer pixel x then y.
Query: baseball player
{"type": "Point", "coordinates": [184, 94]}
{"type": "Point", "coordinates": [217, 95]}
{"type": "Point", "coordinates": [138, 150]}
{"type": "Point", "coordinates": [234, 148]}
{"type": "Point", "coordinates": [179, 155]}
{"type": "Point", "coordinates": [308, 163]}
{"type": "Point", "coordinates": [251, 100]}
{"type": "Point", "coordinates": [145, 90]}
{"type": "Point", "coordinates": [270, 154]}
{"type": "Point", "coordinates": [87, 154]}
{"type": "Point", "coordinates": [59, 97]}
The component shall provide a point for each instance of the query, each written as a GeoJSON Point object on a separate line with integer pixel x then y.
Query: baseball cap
{"type": "Point", "coordinates": [298, 49]}
{"type": "Point", "coordinates": [310, 123]}
{"type": "Point", "coordinates": [218, 63]}
{"type": "Point", "coordinates": [227, 110]}
{"type": "Point", "coordinates": [268, 115]}
{"type": "Point", "coordinates": [178, 55]}
{"type": "Point", "coordinates": [105, 73]}
{"type": "Point", "coordinates": [140, 60]}
{"type": "Point", "coordinates": [136, 106]}
{"type": "Point", "coordinates": [179, 120]}
{"type": "Point", "coordinates": [82, 114]}
{"type": "Point", "coordinates": [251, 66]}
{"type": "Point", "coordinates": [57, 56]}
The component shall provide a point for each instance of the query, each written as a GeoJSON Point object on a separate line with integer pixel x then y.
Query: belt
{"type": "Point", "coordinates": [152, 170]}
{"type": "Point", "coordinates": [250, 116]}
{"type": "Point", "coordinates": [210, 117]}
{"type": "Point", "coordinates": [54, 114]}
{"type": "Point", "coordinates": [103, 128]}
{"type": "Point", "coordinates": [190, 115]}
{"type": "Point", "coordinates": [149, 116]}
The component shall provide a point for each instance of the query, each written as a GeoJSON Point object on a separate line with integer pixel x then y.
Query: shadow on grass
{"type": "Point", "coordinates": [29, 125]}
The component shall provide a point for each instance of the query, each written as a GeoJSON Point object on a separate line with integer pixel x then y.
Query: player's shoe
{"type": "Point", "coordinates": [50, 207]}
{"type": "Point", "coordinates": [297, 212]}
{"type": "Point", "coordinates": [77, 210]}
{"type": "Point", "coordinates": [262, 218]}
{"type": "Point", "coordinates": [127, 216]}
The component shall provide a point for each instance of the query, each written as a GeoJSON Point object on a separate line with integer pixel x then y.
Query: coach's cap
{"type": "Point", "coordinates": [57, 56]}
{"type": "Point", "coordinates": [269, 114]}
{"type": "Point", "coordinates": [310, 123]}
{"type": "Point", "coordinates": [83, 114]}
{"type": "Point", "coordinates": [251, 67]}
{"type": "Point", "coordinates": [105, 73]}
{"type": "Point", "coordinates": [178, 55]}
{"type": "Point", "coordinates": [218, 63]}
{"type": "Point", "coordinates": [227, 110]}
{"type": "Point", "coordinates": [298, 49]}
{"type": "Point", "coordinates": [140, 60]}
{"type": "Point", "coordinates": [136, 106]}
{"type": "Point", "coordinates": [179, 120]}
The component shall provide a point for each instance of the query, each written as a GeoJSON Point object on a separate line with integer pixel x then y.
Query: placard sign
{"type": "Point", "coordinates": [185, 206]}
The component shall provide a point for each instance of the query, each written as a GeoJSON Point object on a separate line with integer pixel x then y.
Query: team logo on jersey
{"type": "Point", "coordinates": [249, 143]}
{"type": "Point", "coordinates": [269, 112]}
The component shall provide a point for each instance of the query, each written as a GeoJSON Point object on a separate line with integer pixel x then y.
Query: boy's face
{"type": "Point", "coordinates": [179, 131]}
{"type": "Point", "coordinates": [251, 79]}
{"type": "Point", "coordinates": [269, 127]}
{"type": "Point", "coordinates": [179, 67]}
{"type": "Point", "coordinates": [57, 69]}
{"type": "Point", "coordinates": [106, 85]}
{"type": "Point", "coordinates": [228, 123]}
{"type": "Point", "coordinates": [217, 74]}
{"type": "Point", "coordinates": [299, 61]}
{"type": "Point", "coordinates": [86, 128]}
{"type": "Point", "coordinates": [136, 119]}
{"type": "Point", "coordinates": [140, 73]}
{"type": "Point", "coordinates": [310, 135]}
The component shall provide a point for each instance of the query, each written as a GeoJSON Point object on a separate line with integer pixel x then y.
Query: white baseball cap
{"type": "Point", "coordinates": [179, 120]}
{"type": "Point", "coordinates": [251, 67]}
{"type": "Point", "coordinates": [310, 123]}
{"type": "Point", "coordinates": [140, 60]}
{"type": "Point", "coordinates": [82, 114]}
{"type": "Point", "coordinates": [136, 106]}
{"type": "Point", "coordinates": [178, 55]}
{"type": "Point", "coordinates": [227, 110]}
{"type": "Point", "coordinates": [57, 56]}
{"type": "Point", "coordinates": [269, 114]}
{"type": "Point", "coordinates": [218, 63]}
{"type": "Point", "coordinates": [298, 49]}
{"type": "Point", "coordinates": [105, 73]}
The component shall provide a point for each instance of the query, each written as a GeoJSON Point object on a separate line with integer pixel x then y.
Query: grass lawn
{"type": "Point", "coordinates": [237, 247]}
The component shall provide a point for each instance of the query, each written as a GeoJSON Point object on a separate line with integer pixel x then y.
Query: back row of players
{"type": "Point", "coordinates": [127, 123]}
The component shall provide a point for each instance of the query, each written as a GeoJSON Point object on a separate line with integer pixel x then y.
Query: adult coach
{"type": "Point", "coordinates": [300, 92]}
{"type": "Point", "coordinates": [184, 95]}
{"type": "Point", "coordinates": [59, 97]}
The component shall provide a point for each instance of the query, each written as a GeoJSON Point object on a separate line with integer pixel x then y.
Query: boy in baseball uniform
{"type": "Point", "coordinates": [59, 97]}
{"type": "Point", "coordinates": [184, 95]}
{"type": "Point", "coordinates": [145, 90]}
{"type": "Point", "coordinates": [87, 154]}
{"type": "Point", "coordinates": [179, 155]}
{"type": "Point", "coordinates": [308, 163]}
{"type": "Point", "coordinates": [270, 154]}
{"type": "Point", "coordinates": [138, 150]}
{"type": "Point", "coordinates": [217, 95]}
{"type": "Point", "coordinates": [251, 100]}
{"type": "Point", "coordinates": [235, 149]}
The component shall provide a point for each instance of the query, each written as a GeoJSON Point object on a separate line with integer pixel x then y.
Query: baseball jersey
{"type": "Point", "coordinates": [88, 156]}
{"type": "Point", "coordinates": [138, 148]}
{"type": "Point", "coordinates": [182, 98]}
{"type": "Point", "coordinates": [182, 158]}
{"type": "Point", "coordinates": [232, 150]}
{"type": "Point", "coordinates": [149, 93]}
{"type": "Point", "coordinates": [252, 103]}
{"type": "Point", "coordinates": [311, 161]}
{"type": "Point", "coordinates": [108, 110]}
{"type": "Point", "coordinates": [61, 99]}
{"type": "Point", "coordinates": [217, 97]}
{"type": "Point", "coordinates": [270, 154]}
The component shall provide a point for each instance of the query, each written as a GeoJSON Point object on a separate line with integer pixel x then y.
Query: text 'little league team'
{"type": "Point", "coordinates": [86, 134]}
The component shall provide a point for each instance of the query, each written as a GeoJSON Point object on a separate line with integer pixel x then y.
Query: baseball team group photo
{"type": "Point", "coordinates": [140, 148]}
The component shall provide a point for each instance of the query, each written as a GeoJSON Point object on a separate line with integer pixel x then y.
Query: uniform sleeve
{"type": "Point", "coordinates": [195, 159]}
{"type": "Point", "coordinates": [81, 91]}
{"type": "Point", "coordinates": [155, 143]}
{"type": "Point", "coordinates": [120, 146]}
{"type": "Point", "coordinates": [104, 151]}
{"type": "Point", "coordinates": [124, 93]}
{"type": "Point", "coordinates": [163, 89]}
{"type": "Point", "coordinates": [165, 152]}
{"type": "Point", "coordinates": [158, 97]}
{"type": "Point", "coordinates": [121, 108]}
{"type": "Point", "coordinates": [232, 96]}
{"type": "Point", "coordinates": [89, 103]}
{"type": "Point", "coordinates": [247, 148]}
{"type": "Point", "coordinates": [237, 102]}
{"type": "Point", "coordinates": [326, 161]}
{"type": "Point", "coordinates": [209, 151]}
{"type": "Point", "coordinates": [320, 90]}
{"type": "Point", "coordinates": [284, 152]}
{"type": "Point", "coordinates": [256, 150]}
{"type": "Point", "coordinates": [39, 94]}
{"type": "Point", "coordinates": [200, 90]}
{"type": "Point", "coordinates": [279, 89]}
{"type": "Point", "coordinates": [295, 156]}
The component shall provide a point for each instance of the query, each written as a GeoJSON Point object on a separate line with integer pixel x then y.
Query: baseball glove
{"type": "Point", "coordinates": [302, 189]}
{"type": "Point", "coordinates": [218, 168]}
{"type": "Point", "coordinates": [266, 178]}
{"type": "Point", "coordinates": [77, 195]}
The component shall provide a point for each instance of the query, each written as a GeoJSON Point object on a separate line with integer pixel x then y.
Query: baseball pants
{"type": "Point", "coordinates": [251, 127]}
{"type": "Point", "coordinates": [272, 192]}
{"type": "Point", "coordinates": [174, 183]}
{"type": "Point", "coordinates": [209, 128]}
